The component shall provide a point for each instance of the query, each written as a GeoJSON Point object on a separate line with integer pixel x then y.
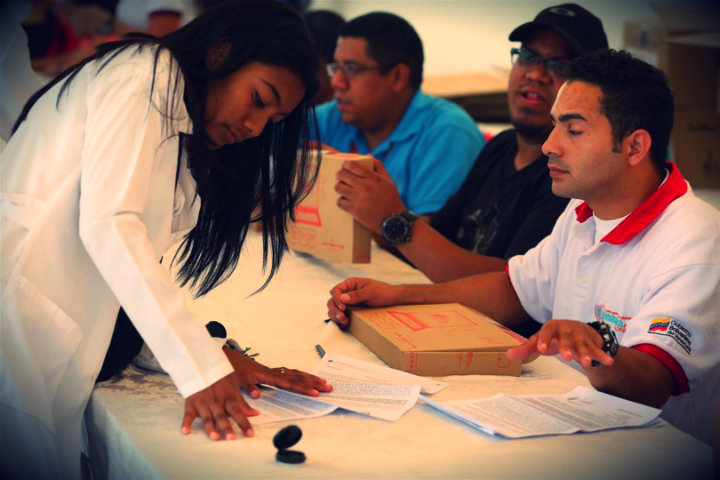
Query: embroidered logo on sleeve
{"type": "Point", "coordinates": [671, 328]}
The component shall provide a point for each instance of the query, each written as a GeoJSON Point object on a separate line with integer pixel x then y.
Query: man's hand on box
{"type": "Point", "coordinates": [369, 196]}
{"type": "Point", "coordinates": [354, 291]}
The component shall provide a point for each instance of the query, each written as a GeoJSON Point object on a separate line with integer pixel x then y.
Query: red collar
{"type": "Point", "coordinates": [643, 215]}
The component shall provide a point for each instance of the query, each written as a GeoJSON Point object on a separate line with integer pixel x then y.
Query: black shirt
{"type": "Point", "coordinates": [499, 211]}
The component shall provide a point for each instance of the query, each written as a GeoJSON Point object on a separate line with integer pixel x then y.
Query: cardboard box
{"type": "Point", "coordinates": [321, 228]}
{"type": "Point", "coordinates": [482, 94]}
{"type": "Point", "coordinates": [436, 340]}
{"type": "Point", "coordinates": [684, 41]}
{"type": "Point", "coordinates": [696, 146]}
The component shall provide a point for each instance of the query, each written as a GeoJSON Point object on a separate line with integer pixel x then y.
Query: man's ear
{"type": "Point", "coordinates": [400, 76]}
{"type": "Point", "coordinates": [637, 145]}
{"type": "Point", "coordinates": [217, 55]}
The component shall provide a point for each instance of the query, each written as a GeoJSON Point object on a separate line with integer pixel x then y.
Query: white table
{"type": "Point", "coordinates": [134, 424]}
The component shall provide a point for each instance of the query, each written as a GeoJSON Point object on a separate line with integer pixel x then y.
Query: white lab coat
{"type": "Point", "coordinates": [89, 205]}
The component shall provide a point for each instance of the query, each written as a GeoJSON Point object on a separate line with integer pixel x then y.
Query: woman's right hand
{"type": "Point", "coordinates": [250, 374]}
{"type": "Point", "coordinates": [354, 291]}
{"type": "Point", "coordinates": [215, 405]}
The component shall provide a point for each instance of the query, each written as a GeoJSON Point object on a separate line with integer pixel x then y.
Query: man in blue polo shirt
{"type": "Point", "coordinates": [426, 144]}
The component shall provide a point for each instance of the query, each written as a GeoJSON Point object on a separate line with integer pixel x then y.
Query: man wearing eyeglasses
{"type": "Point", "coordinates": [627, 283]}
{"type": "Point", "coordinates": [505, 206]}
{"type": "Point", "coordinates": [425, 144]}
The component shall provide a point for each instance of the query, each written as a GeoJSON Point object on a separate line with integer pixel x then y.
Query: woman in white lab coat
{"type": "Point", "coordinates": [148, 142]}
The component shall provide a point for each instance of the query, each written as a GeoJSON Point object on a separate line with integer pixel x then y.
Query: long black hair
{"type": "Point", "coordinates": [268, 174]}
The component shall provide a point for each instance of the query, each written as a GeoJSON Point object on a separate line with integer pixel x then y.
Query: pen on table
{"type": "Point", "coordinates": [320, 350]}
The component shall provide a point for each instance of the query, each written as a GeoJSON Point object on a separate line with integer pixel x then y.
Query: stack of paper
{"type": "Point", "coordinates": [581, 410]}
{"type": "Point", "coordinates": [361, 387]}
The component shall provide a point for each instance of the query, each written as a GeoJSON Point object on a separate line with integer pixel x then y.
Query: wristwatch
{"type": "Point", "coordinates": [610, 343]}
{"type": "Point", "coordinates": [397, 228]}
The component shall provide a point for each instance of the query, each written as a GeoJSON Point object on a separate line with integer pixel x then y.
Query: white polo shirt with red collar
{"type": "Point", "coordinates": [655, 278]}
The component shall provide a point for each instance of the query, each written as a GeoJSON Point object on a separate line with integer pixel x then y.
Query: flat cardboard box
{"type": "Point", "coordinates": [685, 43]}
{"type": "Point", "coordinates": [483, 95]}
{"type": "Point", "coordinates": [321, 228]}
{"type": "Point", "coordinates": [696, 146]}
{"type": "Point", "coordinates": [436, 340]}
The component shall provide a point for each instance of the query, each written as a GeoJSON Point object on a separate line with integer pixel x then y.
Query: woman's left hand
{"type": "Point", "coordinates": [251, 373]}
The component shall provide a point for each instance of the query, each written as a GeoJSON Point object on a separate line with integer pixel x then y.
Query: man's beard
{"type": "Point", "coordinates": [532, 134]}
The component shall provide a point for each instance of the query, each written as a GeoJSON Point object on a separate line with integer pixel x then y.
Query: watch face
{"type": "Point", "coordinates": [395, 229]}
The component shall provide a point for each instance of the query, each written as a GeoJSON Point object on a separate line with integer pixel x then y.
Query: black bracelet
{"type": "Point", "coordinates": [217, 330]}
{"type": "Point", "coordinates": [610, 343]}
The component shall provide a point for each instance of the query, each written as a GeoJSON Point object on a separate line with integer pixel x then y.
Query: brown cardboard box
{"type": "Point", "coordinates": [482, 94]}
{"type": "Point", "coordinates": [321, 228]}
{"type": "Point", "coordinates": [436, 340]}
{"type": "Point", "coordinates": [691, 60]}
{"type": "Point", "coordinates": [696, 146]}
{"type": "Point", "coordinates": [685, 43]}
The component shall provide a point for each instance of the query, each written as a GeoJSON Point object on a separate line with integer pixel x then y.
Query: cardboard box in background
{"type": "Point", "coordinates": [691, 61]}
{"type": "Point", "coordinates": [436, 339]}
{"type": "Point", "coordinates": [321, 228]}
{"type": "Point", "coordinates": [483, 95]}
{"type": "Point", "coordinates": [685, 43]}
{"type": "Point", "coordinates": [696, 146]}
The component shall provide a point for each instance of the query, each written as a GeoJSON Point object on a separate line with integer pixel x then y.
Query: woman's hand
{"type": "Point", "coordinates": [223, 400]}
{"type": "Point", "coordinates": [250, 373]}
{"type": "Point", "coordinates": [215, 405]}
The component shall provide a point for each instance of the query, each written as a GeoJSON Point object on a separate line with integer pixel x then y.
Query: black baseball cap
{"type": "Point", "coordinates": [583, 30]}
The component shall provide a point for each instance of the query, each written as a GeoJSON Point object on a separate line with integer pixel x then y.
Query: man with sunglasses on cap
{"type": "Point", "coordinates": [505, 206]}
{"type": "Point", "coordinates": [425, 144]}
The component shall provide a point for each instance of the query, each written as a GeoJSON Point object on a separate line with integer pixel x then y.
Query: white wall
{"type": "Point", "coordinates": [471, 35]}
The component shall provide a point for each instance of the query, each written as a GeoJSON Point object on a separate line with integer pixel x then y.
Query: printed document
{"type": "Point", "coordinates": [337, 368]}
{"type": "Point", "coordinates": [278, 405]}
{"type": "Point", "coordinates": [361, 387]}
{"type": "Point", "coordinates": [581, 410]}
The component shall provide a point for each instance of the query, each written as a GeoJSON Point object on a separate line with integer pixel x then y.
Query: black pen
{"type": "Point", "coordinates": [320, 350]}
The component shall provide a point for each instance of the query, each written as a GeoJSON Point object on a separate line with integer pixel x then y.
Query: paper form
{"type": "Point", "coordinates": [337, 368]}
{"type": "Point", "coordinates": [580, 410]}
{"type": "Point", "coordinates": [360, 387]}
{"type": "Point", "coordinates": [278, 405]}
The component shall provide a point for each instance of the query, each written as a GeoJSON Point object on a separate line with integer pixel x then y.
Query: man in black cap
{"type": "Point", "coordinates": [505, 205]}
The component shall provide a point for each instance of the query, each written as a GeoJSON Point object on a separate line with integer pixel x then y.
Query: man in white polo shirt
{"type": "Point", "coordinates": [628, 282]}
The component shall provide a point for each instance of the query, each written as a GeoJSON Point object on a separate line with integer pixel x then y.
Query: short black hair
{"type": "Point", "coordinates": [391, 40]}
{"type": "Point", "coordinates": [636, 95]}
{"type": "Point", "coordinates": [324, 26]}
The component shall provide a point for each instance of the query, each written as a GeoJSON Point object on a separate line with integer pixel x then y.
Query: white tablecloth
{"type": "Point", "coordinates": [134, 424]}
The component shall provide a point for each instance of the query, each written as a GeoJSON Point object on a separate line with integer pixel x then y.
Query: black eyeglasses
{"type": "Point", "coordinates": [350, 69]}
{"type": "Point", "coordinates": [528, 60]}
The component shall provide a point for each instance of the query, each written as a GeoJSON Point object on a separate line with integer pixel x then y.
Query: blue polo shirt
{"type": "Point", "coordinates": [428, 155]}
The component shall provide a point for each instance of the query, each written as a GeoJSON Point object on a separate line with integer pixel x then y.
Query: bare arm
{"type": "Point", "coordinates": [442, 260]}
{"type": "Point", "coordinates": [631, 374]}
{"type": "Point", "coordinates": [634, 375]}
{"type": "Point", "coordinates": [370, 197]}
{"type": "Point", "coordinates": [491, 294]}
